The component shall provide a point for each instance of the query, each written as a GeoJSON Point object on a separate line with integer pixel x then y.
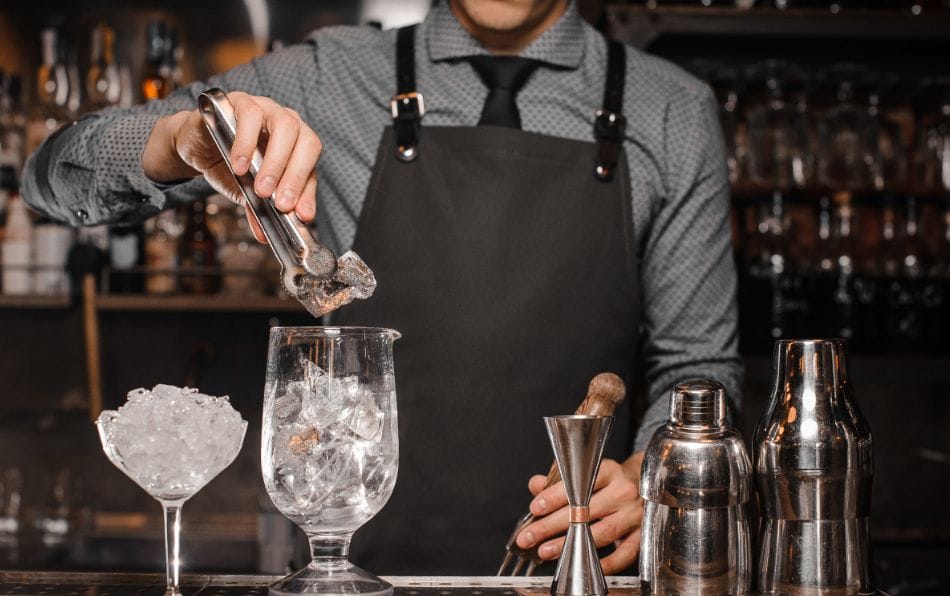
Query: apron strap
{"type": "Point", "coordinates": [407, 106]}
{"type": "Point", "coordinates": [609, 121]}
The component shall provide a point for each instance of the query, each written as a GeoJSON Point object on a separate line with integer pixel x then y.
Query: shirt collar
{"type": "Point", "coordinates": [560, 45]}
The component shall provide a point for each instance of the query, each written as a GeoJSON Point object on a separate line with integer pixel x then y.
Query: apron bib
{"type": "Point", "coordinates": [509, 270]}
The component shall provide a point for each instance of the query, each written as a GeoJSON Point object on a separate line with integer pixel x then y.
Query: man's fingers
{"type": "Point", "coordinates": [283, 128]}
{"type": "Point", "coordinates": [548, 500]}
{"type": "Point", "coordinates": [621, 494]}
{"type": "Point", "coordinates": [623, 556]}
{"type": "Point", "coordinates": [614, 527]}
{"type": "Point", "coordinates": [306, 208]}
{"type": "Point", "coordinates": [550, 525]}
{"type": "Point", "coordinates": [299, 169]}
{"type": "Point", "coordinates": [250, 119]}
{"type": "Point", "coordinates": [551, 549]}
{"type": "Point", "coordinates": [609, 468]}
{"type": "Point", "coordinates": [536, 484]}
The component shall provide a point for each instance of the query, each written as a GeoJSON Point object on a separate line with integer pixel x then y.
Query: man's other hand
{"type": "Point", "coordinates": [616, 512]}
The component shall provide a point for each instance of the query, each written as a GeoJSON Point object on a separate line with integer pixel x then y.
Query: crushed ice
{"type": "Point", "coordinates": [172, 440]}
{"type": "Point", "coordinates": [332, 458]}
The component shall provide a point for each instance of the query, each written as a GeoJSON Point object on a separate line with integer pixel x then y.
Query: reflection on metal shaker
{"type": "Point", "coordinates": [697, 481]}
{"type": "Point", "coordinates": [813, 466]}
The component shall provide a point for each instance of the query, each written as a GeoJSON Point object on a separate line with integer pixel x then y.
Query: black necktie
{"type": "Point", "coordinates": [504, 76]}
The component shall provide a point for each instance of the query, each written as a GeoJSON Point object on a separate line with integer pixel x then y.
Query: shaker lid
{"type": "Point", "coordinates": [698, 403]}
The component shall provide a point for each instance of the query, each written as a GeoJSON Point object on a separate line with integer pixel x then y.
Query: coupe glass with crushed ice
{"type": "Point", "coordinates": [172, 441]}
{"type": "Point", "coordinates": [330, 446]}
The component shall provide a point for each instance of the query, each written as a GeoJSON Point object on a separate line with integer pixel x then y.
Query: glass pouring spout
{"type": "Point", "coordinates": [310, 272]}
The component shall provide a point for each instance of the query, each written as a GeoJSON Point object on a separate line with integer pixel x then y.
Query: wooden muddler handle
{"type": "Point", "coordinates": [605, 392]}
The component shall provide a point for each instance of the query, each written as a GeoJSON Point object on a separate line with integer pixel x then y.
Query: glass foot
{"type": "Point", "coordinates": [329, 580]}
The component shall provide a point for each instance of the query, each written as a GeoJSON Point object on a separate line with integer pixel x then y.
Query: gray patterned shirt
{"type": "Point", "coordinates": [341, 82]}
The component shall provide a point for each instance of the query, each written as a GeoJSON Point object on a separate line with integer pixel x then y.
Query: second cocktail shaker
{"type": "Point", "coordinates": [697, 481]}
{"type": "Point", "coordinates": [813, 467]}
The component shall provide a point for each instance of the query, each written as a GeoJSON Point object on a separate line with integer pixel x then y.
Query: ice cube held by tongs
{"type": "Point", "coordinates": [310, 272]}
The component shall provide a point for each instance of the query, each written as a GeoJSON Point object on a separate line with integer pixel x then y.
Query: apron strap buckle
{"type": "Point", "coordinates": [608, 130]}
{"type": "Point", "coordinates": [407, 110]}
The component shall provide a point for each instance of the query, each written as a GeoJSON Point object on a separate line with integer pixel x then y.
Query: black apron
{"type": "Point", "coordinates": [505, 258]}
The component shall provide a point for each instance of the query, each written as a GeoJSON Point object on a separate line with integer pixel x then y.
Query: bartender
{"type": "Point", "coordinates": [538, 204]}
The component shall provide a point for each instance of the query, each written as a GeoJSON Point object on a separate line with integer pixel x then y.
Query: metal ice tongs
{"type": "Point", "coordinates": [299, 252]}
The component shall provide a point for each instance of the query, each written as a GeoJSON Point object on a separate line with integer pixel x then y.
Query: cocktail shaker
{"type": "Point", "coordinates": [697, 481]}
{"type": "Point", "coordinates": [813, 465]}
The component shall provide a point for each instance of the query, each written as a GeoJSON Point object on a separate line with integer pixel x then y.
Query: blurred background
{"type": "Point", "coordinates": [837, 123]}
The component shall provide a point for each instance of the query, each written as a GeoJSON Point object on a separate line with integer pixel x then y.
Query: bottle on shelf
{"type": "Point", "coordinates": [199, 271]}
{"type": "Point", "coordinates": [174, 52]}
{"type": "Point", "coordinates": [52, 90]}
{"type": "Point", "coordinates": [160, 61]}
{"type": "Point", "coordinates": [241, 256]}
{"type": "Point", "coordinates": [162, 234]}
{"type": "Point", "coordinates": [834, 283]}
{"type": "Point", "coordinates": [906, 290]}
{"type": "Point", "coordinates": [845, 133]}
{"type": "Point", "coordinates": [17, 249]}
{"type": "Point", "coordinates": [774, 298]}
{"type": "Point", "coordinates": [12, 123]}
{"type": "Point", "coordinates": [877, 273]}
{"type": "Point", "coordinates": [126, 259]}
{"type": "Point", "coordinates": [104, 78]}
{"type": "Point", "coordinates": [938, 321]}
{"type": "Point", "coordinates": [74, 103]}
{"type": "Point", "coordinates": [51, 245]}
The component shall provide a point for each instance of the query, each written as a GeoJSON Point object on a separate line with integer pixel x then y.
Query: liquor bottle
{"type": "Point", "coordinates": [241, 257]}
{"type": "Point", "coordinates": [126, 259]}
{"type": "Point", "coordinates": [873, 282]}
{"type": "Point", "coordinates": [174, 53]}
{"type": "Point", "coordinates": [12, 123]}
{"type": "Point", "coordinates": [104, 89]}
{"type": "Point", "coordinates": [909, 284]}
{"type": "Point", "coordinates": [939, 323]}
{"type": "Point", "coordinates": [834, 283]}
{"type": "Point", "coordinates": [103, 80]}
{"type": "Point", "coordinates": [17, 249]}
{"type": "Point", "coordinates": [846, 136]}
{"type": "Point", "coordinates": [199, 270]}
{"type": "Point", "coordinates": [52, 90]}
{"type": "Point", "coordinates": [162, 234]}
{"type": "Point", "coordinates": [8, 188]}
{"type": "Point", "coordinates": [160, 59]}
{"type": "Point", "coordinates": [74, 103]}
{"type": "Point", "coordinates": [773, 301]}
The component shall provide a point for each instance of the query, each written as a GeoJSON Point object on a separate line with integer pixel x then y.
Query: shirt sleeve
{"type": "Point", "coordinates": [91, 171]}
{"type": "Point", "coordinates": [688, 275]}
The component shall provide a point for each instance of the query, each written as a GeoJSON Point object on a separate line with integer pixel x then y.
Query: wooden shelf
{"type": "Point", "coordinates": [145, 303]}
{"type": "Point", "coordinates": [641, 26]}
{"type": "Point", "coordinates": [186, 303]}
{"type": "Point", "coordinates": [34, 302]}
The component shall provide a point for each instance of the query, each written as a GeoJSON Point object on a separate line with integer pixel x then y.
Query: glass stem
{"type": "Point", "coordinates": [172, 510]}
{"type": "Point", "coordinates": [329, 551]}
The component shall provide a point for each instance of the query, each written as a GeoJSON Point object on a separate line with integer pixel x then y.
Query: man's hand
{"type": "Point", "coordinates": [179, 147]}
{"type": "Point", "coordinates": [616, 506]}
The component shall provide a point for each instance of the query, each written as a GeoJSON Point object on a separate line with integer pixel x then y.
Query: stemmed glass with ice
{"type": "Point", "coordinates": [172, 441]}
{"type": "Point", "coordinates": [330, 446]}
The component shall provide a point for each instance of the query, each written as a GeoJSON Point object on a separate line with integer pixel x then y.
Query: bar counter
{"type": "Point", "coordinates": [28, 583]}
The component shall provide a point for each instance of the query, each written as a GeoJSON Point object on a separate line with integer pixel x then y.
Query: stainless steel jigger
{"type": "Point", "coordinates": [578, 443]}
{"type": "Point", "coordinates": [294, 246]}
